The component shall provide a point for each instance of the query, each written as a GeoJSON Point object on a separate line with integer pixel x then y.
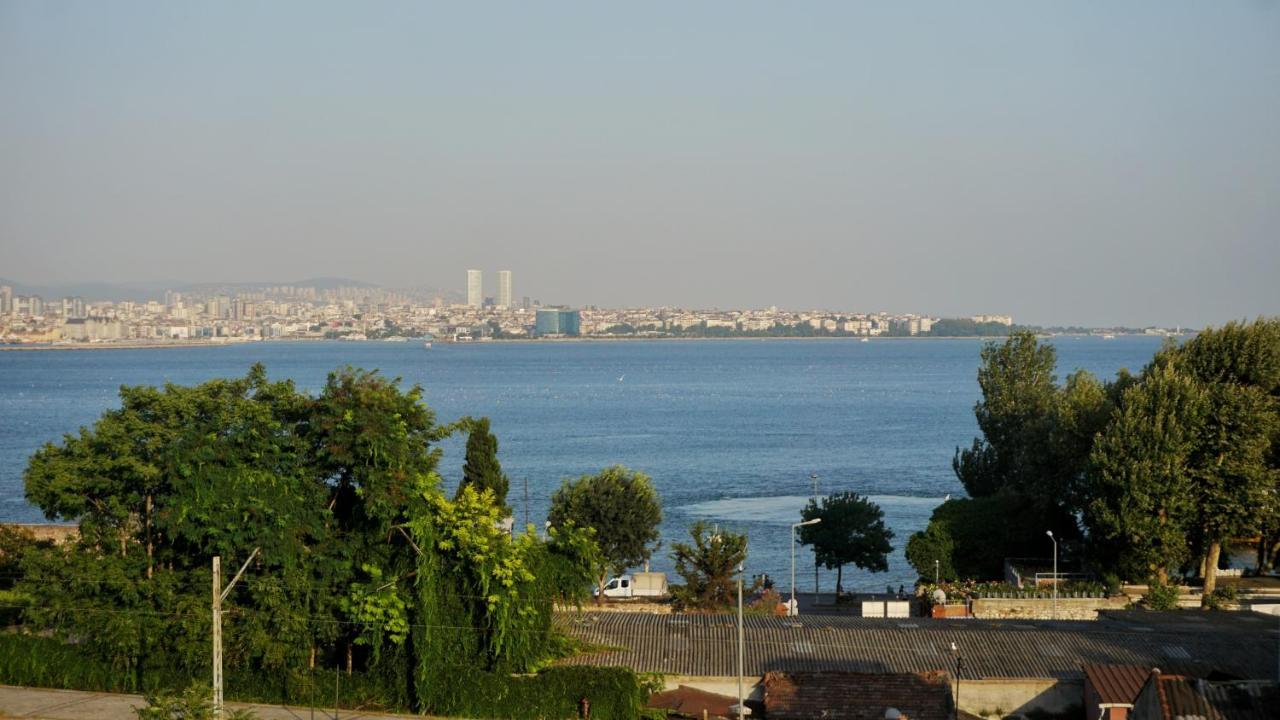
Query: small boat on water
{"type": "Point", "coordinates": [866, 339]}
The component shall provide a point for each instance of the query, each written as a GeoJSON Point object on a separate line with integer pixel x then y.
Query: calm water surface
{"type": "Point", "coordinates": [730, 431]}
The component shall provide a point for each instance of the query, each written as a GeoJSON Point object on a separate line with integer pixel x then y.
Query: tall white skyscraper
{"type": "Point", "coordinates": [504, 288]}
{"type": "Point", "coordinates": [475, 288]}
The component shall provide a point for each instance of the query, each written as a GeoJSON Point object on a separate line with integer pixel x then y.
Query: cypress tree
{"type": "Point", "coordinates": [482, 469]}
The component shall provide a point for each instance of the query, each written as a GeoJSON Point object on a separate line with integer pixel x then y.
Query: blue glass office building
{"type": "Point", "coordinates": [555, 321]}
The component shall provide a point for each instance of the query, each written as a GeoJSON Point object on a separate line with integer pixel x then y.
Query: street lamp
{"type": "Point", "coordinates": [959, 661]}
{"type": "Point", "coordinates": [814, 478]}
{"type": "Point", "coordinates": [1055, 572]}
{"type": "Point", "coordinates": [935, 573]}
{"type": "Point", "coordinates": [742, 707]}
{"type": "Point", "coordinates": [794, 609]}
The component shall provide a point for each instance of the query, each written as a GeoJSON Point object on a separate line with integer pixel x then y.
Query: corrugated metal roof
{"type": "Point", "coordinates": [707, 645]}
{"type": "Point", "coordinates": [1117, 683]}
{"type": "Point", "coordinates": [1184, 698]}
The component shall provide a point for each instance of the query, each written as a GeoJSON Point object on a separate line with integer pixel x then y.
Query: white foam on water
{"type": "Point", "coordinates": [785, 509]}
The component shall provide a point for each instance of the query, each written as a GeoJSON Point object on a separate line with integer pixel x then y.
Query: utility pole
{"type": "Point", "coordinates": [742, 653]}
{"type": "Point", "coordinates": [217, 636]}
{"type": "Point", "coordinates": [220, 594]}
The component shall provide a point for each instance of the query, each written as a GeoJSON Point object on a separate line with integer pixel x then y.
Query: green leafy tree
{"type": "Point", "coordinates": [623, 509]}
{"type": "Point", "coordinates": [708, 566]}
{"type": "Point", "coordinates": [362, 559]}
{"type": "Point", "coordinates": [1142, 508]}
{"type": "Point", "coordinates": [1019, 393]}
{"type": "Point", "coordinates": [971, 537]}
{"type": "Point", "coordinates": [482, 470]}
{"type": "Point", "coordinates": [852, 531]}
{"type": "Point", "coordinates": [1036, 435]}
{"type": "Point", "coordinates": [1234, 468]}
{"type": "Point", "coordinates": [931, 552]}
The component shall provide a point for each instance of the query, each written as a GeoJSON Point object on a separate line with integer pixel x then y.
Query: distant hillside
{"type": "Point", "coordinates": [322, 283]}
{"type": "Point", "coordinates": [91, 291]}
{"type": "Point", "coordinates": [144, 291]}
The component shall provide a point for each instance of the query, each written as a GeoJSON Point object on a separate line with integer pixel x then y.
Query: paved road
{"type": "Point", "coordinates": [18, 702]}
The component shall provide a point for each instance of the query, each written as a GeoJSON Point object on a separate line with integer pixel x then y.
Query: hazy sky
{"type": "Point", "coordinates": [1071, 162]}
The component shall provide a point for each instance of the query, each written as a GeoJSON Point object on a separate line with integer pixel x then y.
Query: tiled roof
{"type": "Point", "coordinates": [1117, 683]}
{"type": "Point", "coordinates": [692, 702]}
{"type": "Point", "coordinates": [707, 645]}
{"type": "Point", "coordinates": [857, 696]}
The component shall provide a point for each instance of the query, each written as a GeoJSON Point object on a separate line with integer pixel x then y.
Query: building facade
{"type": "Point", "coordinates": [475, 288]}
{"type": "Point", "coordinates": [504, 288]}
{"type": "Point", "coordinates": [558, 321]}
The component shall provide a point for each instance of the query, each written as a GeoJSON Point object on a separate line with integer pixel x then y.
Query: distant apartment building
{"type": "Point", "coordinates": [558, 321]}
{"type": "Point", "coordinates": [92, 329]}
{"type": "Point", "coordinates": [73, 307]}
{"type": "Point", "coordinates": [6, 299]}
{"type": "Point", "coordinates": [1006, 320]}
{"type": "Point", "coordinates": [475, 288]}
{"type": "Point", "coordinates": [504, 288]}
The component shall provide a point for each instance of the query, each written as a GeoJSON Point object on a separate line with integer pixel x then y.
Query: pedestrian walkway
{"type": "Point", "coordinates": [20, 702]}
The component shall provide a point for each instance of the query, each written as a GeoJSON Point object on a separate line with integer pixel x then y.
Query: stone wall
{"type": "Point", "coordinates": [1042, 608]}
{"type": "Point", "coordinates": [57, 533]}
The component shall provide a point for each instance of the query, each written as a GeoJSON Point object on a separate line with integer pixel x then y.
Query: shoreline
{"type": "Point", "coordinates": [144, 345]}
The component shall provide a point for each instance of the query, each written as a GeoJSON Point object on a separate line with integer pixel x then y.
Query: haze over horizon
{"type": "Point", "coordinates": [1077, 164]}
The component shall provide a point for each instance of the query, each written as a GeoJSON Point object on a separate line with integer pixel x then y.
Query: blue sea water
{"type": "Point", "coordinates": [730, 430]}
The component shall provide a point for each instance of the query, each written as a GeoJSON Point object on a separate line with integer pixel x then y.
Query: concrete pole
{"type": "Point", "coordinates": [219, 594]}
{"type": "Point", "coordinates": [217, 637]}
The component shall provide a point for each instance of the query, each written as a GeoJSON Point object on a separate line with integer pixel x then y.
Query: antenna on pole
{"type": "Point", "coordinates": [219, 594]}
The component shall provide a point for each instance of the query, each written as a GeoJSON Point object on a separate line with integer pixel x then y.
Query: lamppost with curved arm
{"type": "Point", "coordinates": [795, 609]}
{"type": "Point", "coordinates": [1055, 572]}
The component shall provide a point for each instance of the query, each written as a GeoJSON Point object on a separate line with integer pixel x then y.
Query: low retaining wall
{"type": "Point", "coordinates": [753, 687]}
{"type": "Point", "coordinates": [998, 698]}
{"type": "Point", "coordinates": [1042, 608]}
{"type": "Point", "coordinates": [47, 531]}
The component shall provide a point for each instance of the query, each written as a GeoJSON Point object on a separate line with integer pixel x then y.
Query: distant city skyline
{"type": "Point", "coordinates": [1091, 164]}
{"type": "Point", "coordinates": [471, 293]}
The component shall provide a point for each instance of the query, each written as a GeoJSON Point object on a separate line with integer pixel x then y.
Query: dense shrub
{"type": "Point", "coordinates": [1161, 596]}
{"type": "Point", "coordinates": [194, 703]}
{"type": "Point", "coordinates": [1220, 598]}
{"type": "Point", "coordinates": [30, 660]}
{"type": "Point", "coordinates": [613, 692]}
